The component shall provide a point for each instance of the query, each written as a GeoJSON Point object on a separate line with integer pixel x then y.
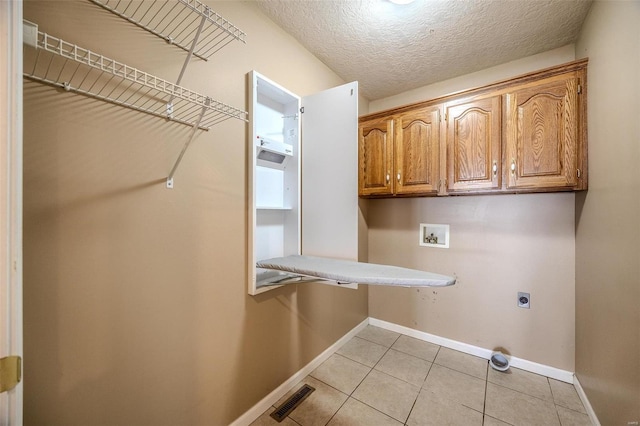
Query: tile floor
{"type": "Point", "coordinates": [383, 378]}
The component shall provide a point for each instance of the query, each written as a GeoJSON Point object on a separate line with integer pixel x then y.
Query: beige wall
{"type": "Point", "coordinates": [135, 306]}
{"type": "Point", "coordinates": [608, 228]}
{"type": "Point", "coordinates": [500, 245]}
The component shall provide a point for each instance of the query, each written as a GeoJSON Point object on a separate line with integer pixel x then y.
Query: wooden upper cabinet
{"type": "Point", "coordinates": [416, 153]}
{"type": "Point", "coordinates": [525, 134]}
{"type": "Point", "coordinates": [473, 145]}
{"type": "Point", "coordinates": [399, 154]}
{"type": "Point", "coordinates": [375, 157]}
{"type": "Point", "coordinates": [543, 134]}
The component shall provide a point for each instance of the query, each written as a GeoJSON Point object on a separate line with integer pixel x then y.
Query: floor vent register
{"type": "Point", "coordinates": [291, 403]}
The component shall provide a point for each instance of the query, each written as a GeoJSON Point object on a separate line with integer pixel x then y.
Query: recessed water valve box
{"type": "Point", "coordinates": [434, 235]}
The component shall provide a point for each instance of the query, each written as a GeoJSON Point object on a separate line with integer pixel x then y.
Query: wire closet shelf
{"type": "Point", "coordinates": [73, 68]}
{"type": "Point", "coordinates": [178, 23]}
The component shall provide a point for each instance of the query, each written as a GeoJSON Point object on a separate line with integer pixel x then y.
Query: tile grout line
{"type": "Point", "coordinates": [553, 400]}
{"type": "Point", "coordinates": [350, 359]}
{"type": "Point", "coordinates": [375, 409]}
{"type": "Point", "coordinates": [378, 343]}
{"type": "Point", "coordinates": [412, 407]}
{"type": "Point", "coordinates": [486, 388]}
{"type": "Point", "coordinates": [350, 395]}
{"type": "Point", "coordinates": [336, 412]}
{"type": "Point", "coordinates": [421, 387]}
{"type": "Point", "coordinates": [557, 404]}
{"type": "Point", "coordinates": [523, 393]}
{"type": "Point", "coordinates": [382, 372]}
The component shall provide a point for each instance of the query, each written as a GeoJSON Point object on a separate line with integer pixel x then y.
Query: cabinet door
{"type": "Point", "coordinates": [473, 145]}
{"type": "Point", "coordinates": [542, 134]}
{"type": "Point", "coordinates": [416, 153]}
{"type": "Point", "coordinates": [375, 157]}
{"type": "Point", "coordinates": [329, 178]}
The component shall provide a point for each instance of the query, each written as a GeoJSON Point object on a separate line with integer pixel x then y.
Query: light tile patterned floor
{"type": "Point", "coordinates": [383, 378]}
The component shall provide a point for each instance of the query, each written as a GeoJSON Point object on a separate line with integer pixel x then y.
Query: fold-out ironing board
{"type": "Point", "coordinates": [347, 272]}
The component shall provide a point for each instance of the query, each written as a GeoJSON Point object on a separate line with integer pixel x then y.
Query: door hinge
{"type": "Point", "coordinates": [10, 372]}
{"type": "Point", "coordinates": [579, 88]}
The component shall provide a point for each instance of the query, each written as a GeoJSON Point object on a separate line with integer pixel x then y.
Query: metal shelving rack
{"type": "Point", "coordinates": [62, 64]}
{"type": "Point", "coordinates": [177, 23]}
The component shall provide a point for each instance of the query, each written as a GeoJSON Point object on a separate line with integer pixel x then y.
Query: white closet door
{"type": "Point", "coordinates": [330, 173]}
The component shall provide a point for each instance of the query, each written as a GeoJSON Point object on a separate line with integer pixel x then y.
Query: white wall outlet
{"type": "Point", "coordinates": [524, 300]}
{"type": "Point", "coordinates": [434, 235]}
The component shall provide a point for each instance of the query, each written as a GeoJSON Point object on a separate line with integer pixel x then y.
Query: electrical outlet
{"type": "Point", "coordinates": [524, 300]}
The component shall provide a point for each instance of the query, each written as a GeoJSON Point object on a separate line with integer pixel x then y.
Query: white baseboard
{"type": "Point", "coordinates": [523, 364]}
{"type": "Point", "coordinates": [585, 402]}
{"type": "Point", "coordinates": [266, 402]}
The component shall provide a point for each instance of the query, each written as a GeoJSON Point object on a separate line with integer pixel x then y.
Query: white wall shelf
{"type": "Point", "coordinates": [177, 23]}
{"type": "Point", "coordinates": [73, 68]}
{"type": "Point", "coordinates": [195, 28]}
{"type": "Point", "coordinates": [272, 208]}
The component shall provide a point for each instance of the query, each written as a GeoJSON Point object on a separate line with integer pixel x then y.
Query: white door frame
{"type": "Point", "coordinates": [11, 199]}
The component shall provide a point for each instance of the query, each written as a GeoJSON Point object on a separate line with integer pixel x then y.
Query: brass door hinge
{"type": "Point", "coordinates": [10, 372]}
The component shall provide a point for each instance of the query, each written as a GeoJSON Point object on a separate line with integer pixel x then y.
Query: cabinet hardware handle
{"type": "Point", "coordinates": [513, 166]}
{"type": "Point", "coordinates": [388, 177]}
{"type": "Point", "coordinates": [495, 168]}
{"type": "Point", "coordinates": [398, 176]}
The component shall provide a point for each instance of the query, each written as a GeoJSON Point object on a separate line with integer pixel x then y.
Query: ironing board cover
{"type": "Point", "coordinates": [346, 271]}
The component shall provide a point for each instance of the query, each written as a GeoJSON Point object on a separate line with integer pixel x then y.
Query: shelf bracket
{"type": "Point", "coordinates": [182, 71]}
{"type": "Point", "coordinates": [195, 127]}
{"type": "Point", "coordinates": [190, 54]}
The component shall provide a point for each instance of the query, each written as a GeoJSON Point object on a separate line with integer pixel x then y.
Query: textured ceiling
{"type": "Point", "coordinates": [390, 48]}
